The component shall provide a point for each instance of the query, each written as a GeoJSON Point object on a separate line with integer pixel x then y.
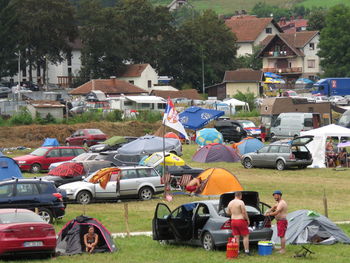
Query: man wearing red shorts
{"type": "Point", "coordinates": [280, 211]}
{"type": "Point", "coordinates": [239, 220]}
{"type": "Point", "coordinates": [193, 185]}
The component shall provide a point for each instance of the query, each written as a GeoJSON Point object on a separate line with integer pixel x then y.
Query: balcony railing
{"type": "Point", "coordinates": [279, 54]}
{"type": "Point", "coordinates": [284, 70]}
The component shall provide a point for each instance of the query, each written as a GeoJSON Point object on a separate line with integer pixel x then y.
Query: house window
{"type": "Point", "coordinates": [312, 46]}
{"type": "Point", "coordinates": [69, 71]}
{"type": "Point", "coordinates": [268, 30]}
{"type": "Point", "coordinates": [311, 63]}
{"type": "Point", "coordinates": [131, 82]}
{"type": "Point", "coordinates": [69, 61]}
{"type": "Point", "coordinates": [149, 84]}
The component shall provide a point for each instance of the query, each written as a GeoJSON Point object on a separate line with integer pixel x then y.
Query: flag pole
{"type": "Point", "coordinates": [163, 175]}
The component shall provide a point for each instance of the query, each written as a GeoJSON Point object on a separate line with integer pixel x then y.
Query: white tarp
{"type": "Point", "coordinates": [318, 146]}
{"type": "Point", "coordinates": [234, 102]}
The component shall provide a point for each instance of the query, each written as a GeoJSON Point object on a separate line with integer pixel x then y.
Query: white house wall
{"type": "Point", "coordinates": [142, 82]}
{"type": "Point", "coordinates": [244, 48]}
{"type": "Point", "coordinates": [312, 55]}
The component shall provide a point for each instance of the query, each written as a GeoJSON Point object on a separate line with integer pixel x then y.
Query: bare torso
{"type": "Point", "coordinates": [236, 209]}
{"type": "Point", "coordinates": [283, 210]}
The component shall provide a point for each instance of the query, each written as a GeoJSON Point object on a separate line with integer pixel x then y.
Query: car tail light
{"type": "Point", "coordinates": [268, 223]}
{"type": "Point", "coordinates": [226, 225]}
{"type": "Point", "coordinates": [58, 196]}
{"type": "Point", "coordinates": [292, 156]}
{"type": "Point", "coordinates": [8, 232]}
{"type": "Point", "coordinates": [50, 230]}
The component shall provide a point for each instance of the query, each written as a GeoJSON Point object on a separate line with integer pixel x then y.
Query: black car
{"type": "Point", "coordinates": [231, 130]}
{"type": "Point", "coordinates": [101, 147]}
{"type": "Point", "coordinates": [33, 194]}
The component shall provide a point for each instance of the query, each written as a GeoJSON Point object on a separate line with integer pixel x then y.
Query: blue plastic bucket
{"type": "Point", "coordinates": [264, 248]}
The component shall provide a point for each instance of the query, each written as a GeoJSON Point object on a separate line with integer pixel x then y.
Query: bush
{"type": "Point", "coordinates": [244, 114]}
{"type": "Point", "coordinates": [23, 117]}
{"type": "Point", "coordinates": [149, 116]}
{"type": "Point", "coordinates": [248, 97]}
{"type": "Point", "coordinates": [116, 115]}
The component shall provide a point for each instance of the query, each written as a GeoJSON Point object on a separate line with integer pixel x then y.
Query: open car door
{"type": "Point", "coordinates": [181, 221]}
{"type": "Point", "coordinates": [160, 226]}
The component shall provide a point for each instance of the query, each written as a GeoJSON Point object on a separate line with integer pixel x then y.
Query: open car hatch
{"type": "Point", "coordinates": [250, 198]}
{"type": "Point", "coordinates": [302, 140]}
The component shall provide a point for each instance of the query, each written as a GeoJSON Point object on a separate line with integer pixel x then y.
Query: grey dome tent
{"type": "Point", "coordinates": [70, 239]}
{"type": "Point", "coordinates": [305, 226]}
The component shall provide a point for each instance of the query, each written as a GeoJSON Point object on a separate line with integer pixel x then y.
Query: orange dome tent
{"type": "Point", "coordinates": [171, 135]}
{"type": "Point", "coordinates": [216, 181]}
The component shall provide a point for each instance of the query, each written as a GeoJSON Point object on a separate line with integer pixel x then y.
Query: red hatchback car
{"type": "Point", "coordinates": [23, 231]}
{"type": "Point", "coordinates": [41, 158]}
{"type": "Point", "coordinates": [86, 137]}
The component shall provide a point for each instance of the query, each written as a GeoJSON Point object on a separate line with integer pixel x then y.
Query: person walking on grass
{"type": "Point", "coordinates": [280, 211]}
{"type": "Point", "coordinates": [239, 221]}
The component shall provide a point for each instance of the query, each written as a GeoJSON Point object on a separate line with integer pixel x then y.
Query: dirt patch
{"type": "Point", "coordinates": [34, 135]}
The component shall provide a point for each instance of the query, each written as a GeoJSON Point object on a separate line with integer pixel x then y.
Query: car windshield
{"type": "Point", "coordinates": [39, 152]}
{"type": "Point", "coordinates": [247, 124]}
{"type": "Point", "coordinates": [95, 131]}
{"type": "Point", "coordinates": [14, 217]}
{"type": "Point", "coordinates": [344, 120]}
{"type": "Point", "coordinates": [292, 93]}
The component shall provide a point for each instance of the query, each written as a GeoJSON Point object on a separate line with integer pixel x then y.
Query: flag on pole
{"type": "Point", "coordinates": [171, 118]}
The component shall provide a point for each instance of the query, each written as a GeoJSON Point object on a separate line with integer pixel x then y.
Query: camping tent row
{"type": "Point", "coordinates": [317, 146]}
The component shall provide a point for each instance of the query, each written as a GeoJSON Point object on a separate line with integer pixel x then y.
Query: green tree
{"type": "Point", "coordinates": [250, 60]}
{"type": "Point", "coordinates": [261, 9]}
{"type": "Point", "coordinates": [104, 38]}
{"type": "Point", "coordinates": [334, 43]}
{"type": "Point", "coordinates": [202, 39]}
{"type": "Point", "coordinates": [317, 19]}
{"type": "Point", "coordinates": [43, 29]}
{"type": "Point", "coordinates": [8, 59]}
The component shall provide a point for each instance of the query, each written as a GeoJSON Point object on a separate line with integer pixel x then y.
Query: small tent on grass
{"type": "Point", "coordinates": [248, 145]}
{"type": "Point", "coordinates": [317, 147]}
{"type": "Point", "coordinates": [216, 152]}
{"type": "Point", "coordinates": [216, 181]}
{"type": "Point", "coordinates": [71, 237]}
{"type": "Point", "coordinates": [306, 226]}
{"type": "Point", "coordinates": [50, 142]}
{"type": "Point", "coordinates": [8, 168]}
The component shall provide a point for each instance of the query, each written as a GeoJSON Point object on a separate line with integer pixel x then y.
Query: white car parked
{"type": "Point", "coordinates": [135, 181]}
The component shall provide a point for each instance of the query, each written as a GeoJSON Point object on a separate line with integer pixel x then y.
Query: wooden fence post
{"type": "Point", "coordinates": [325, 203]}
{"type": "Point", "coordinates": [126, 216]}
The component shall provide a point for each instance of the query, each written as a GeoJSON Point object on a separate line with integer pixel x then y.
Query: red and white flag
{"type": "Point", "coordinates": [171, 119]}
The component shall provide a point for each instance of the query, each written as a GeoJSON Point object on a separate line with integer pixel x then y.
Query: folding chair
{"type": "Point", "coordinates": [304, 252]}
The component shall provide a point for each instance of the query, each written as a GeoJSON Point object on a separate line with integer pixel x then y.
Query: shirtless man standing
{"type": "Point", "coordinates": [239, 220]}
{"type": "Point", "coordinates": [279, 211]}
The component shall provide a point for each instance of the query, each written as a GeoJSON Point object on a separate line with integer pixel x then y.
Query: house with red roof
{"type": "Point", "coordinates": [293, 25]}
{"type": "Point", "coordinates": [110, 87]}
{"type": "Point", "coordinates": [141, 75]}
{"type": "Point", "coordinates": [251, 30]}
{"type": "Point", "coordinates": [292, 55]}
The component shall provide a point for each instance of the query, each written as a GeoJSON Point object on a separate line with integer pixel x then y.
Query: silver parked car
{"type": "Point", "coordinates": [281, 154]}
{"type": "Point", "coordinates": [135, 181]}
{"type": "Point", "coordinates": [205, 223]}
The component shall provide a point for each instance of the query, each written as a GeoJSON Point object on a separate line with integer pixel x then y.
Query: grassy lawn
{"type": "Point", "coordinates": [303, 189]}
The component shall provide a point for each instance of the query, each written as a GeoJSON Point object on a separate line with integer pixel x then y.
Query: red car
{"type": "Point", "coordinates": [23, 231]}
{"type": "Point", "coordinates": [41, 158]}
{"type": "Point", "coordinates": [86, 137]}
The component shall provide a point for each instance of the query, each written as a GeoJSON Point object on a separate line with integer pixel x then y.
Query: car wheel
{"type": "Point", "coordinates": [208, 242]}
{"type": "Point", "coordinates": [67, 144]}
{"type": "Point", "coordinates": [146, 193]}
{"type": "Point", "coordinates": [84, 197]}
{"type": "Point", "coordinates": [164, 242]}
{"type": "Point", "coordinates": [247, 163]}
{"type": "Point", "coordinates": [36, 168]}
{"type": "Point", "coordinates": [280, 165]}
{"type": "Point", "coordinates": [46, 215]}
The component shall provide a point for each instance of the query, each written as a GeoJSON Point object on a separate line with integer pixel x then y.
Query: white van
{"type": "Point", "coordinates": [292, 123]}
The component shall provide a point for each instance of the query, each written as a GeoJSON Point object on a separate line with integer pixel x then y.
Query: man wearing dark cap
{"type": "Point", "coordinates": [280, 211]}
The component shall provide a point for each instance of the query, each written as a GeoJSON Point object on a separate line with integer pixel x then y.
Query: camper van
{"type": "Point", "coordinates": [292, 123]}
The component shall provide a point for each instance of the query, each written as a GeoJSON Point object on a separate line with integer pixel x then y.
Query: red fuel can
{"type": "Point", "coordinates": [232, 248]}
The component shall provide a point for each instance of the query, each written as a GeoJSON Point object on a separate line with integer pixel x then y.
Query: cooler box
{"type": "Point", "coordinates": [264, 248]}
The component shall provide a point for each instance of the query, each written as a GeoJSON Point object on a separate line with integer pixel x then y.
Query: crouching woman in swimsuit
{"type": "Point", "coordinates": [90, 240]}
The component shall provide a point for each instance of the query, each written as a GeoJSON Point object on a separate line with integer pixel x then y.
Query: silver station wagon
{"type": "Point", "coordinates": [135, 181]}
{"type": "Point", "coordinates": [281, 155]}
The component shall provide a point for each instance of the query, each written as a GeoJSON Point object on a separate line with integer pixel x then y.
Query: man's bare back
{"type": "Point", "coordinates": [236, 209]}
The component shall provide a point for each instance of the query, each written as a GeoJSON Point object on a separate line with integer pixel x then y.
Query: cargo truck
{"type": "Point", "coordinates": [332, 87]}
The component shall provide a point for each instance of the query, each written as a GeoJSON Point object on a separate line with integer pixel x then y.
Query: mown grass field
{"type": "Point", "coordinates": [303, 189]}
{"type": "Point", "coordinates": [230, 6]}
